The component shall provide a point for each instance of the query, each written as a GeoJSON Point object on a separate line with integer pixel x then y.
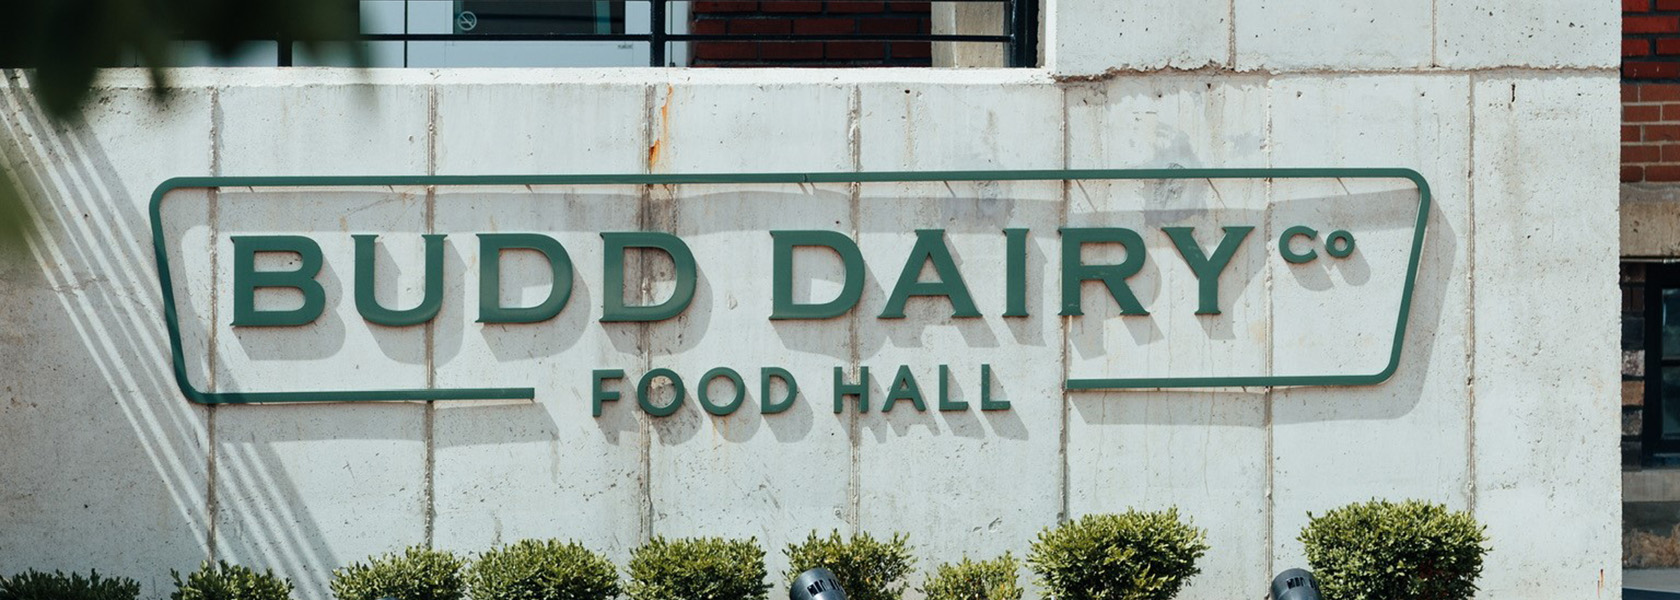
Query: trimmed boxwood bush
{"type": "Point", "coordinates": [1135, 555]}
{"type": "Point", "coordinates": [223, 581]}
{"type": "Point", "coordinates": [35, 585]}
{"type": "Point", "coordinates": [698, 569]}
{"type": "Point", "coordinates": [542, 570]}
{"type": "Point", "coordinates": [416, 574]}
{"type": "Point", "coordinates": [866, 568]}
{"type": "Point", "coordinates": [1381, 550]}
{"type": "Point", "coordinates": [994, 579]}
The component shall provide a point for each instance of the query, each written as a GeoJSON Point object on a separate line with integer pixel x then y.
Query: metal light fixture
{"type": "Point", "coordinates": [1295, 584]}
{"type": "Point", "coordinates": [816, 584]}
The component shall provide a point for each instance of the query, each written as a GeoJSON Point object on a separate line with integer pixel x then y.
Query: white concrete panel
{"type": "Point", "coordinates": [1407, 437]}
{"type": "Point", "coordinates": [748, 474]}
{"type": "Point", "coordinates": [1554, 33]}
{"type": "Point", "coordinates": [100, 446]}
{"type": "Point", "coordinates": [1337, 316]}
{"type": "Point", "coordinates": [1202, 452]}
{"type": "Point", "coordinates": [1095, 36]}
{"type": "Point", "coordinates": [920, 471]}
{"type": "Point", "coordinates": [323, 129]}
{"type": "Point", "coordinates": [542, 469]}
{"type": "Point", "coordinates": [1166, 122]}
{"type": "Point", "coordinates": [1173, 339]}
{"type": "Point", "coordinates": [544, 129]}
{"type": "Point", "coordinates": [506, 471]}
{"type": "Point", "coordinates": [305, 489]}
{"type": "Point", "coordinates": [733, 128]}
{"type": "Point", "coordinates": [1546, 378]}
{"type": "Point", "coordinates": [361, 467]}
{"type": "Point", "coordinates": [340, 350]}
{"type": "Point", "coordinates": [1294, 35]}
{"type": "Point", "coordinates": [771, 476]}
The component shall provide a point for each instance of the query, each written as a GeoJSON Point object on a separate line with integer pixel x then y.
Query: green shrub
{"type": "Point", "coordinates": [1135, 555]}
{"type": "Point", "coordinates": [222, 581]}
{"type": "Point", "coordinates": [698, 569]}
{"type": "Point", "coordinates": [542, 570]}
{"type": "Point", "coordinates": [1382, 550]}
{"type": "Point", "coordinates": [416, 574]}
{"type": "Point", "coordinates": [35, 585]}
{"type": "Point", "coordinates": [867, 569]}
{"type": "Point", "coordinates": [968, 580]}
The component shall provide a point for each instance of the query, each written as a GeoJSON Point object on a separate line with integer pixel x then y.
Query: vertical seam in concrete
{"type": "Point", "coordinates": [1231, 34]}
{"type": "Point", "coordinates": [210, 466]}
{"type": "Point", "coordinates": [644, 332]}
{"type": "Point", "coordinates": [1061, 221]}
{"type": "Point", "coordinates": [1470, 310]}
{"type": "Point", "coordinates": [1271, 349]}
{"type": "Point", "coordinates": [429, 424]}
{"type": "Point", "coordinates": [854, 471]}
{"type": "Point", "coordinates": [1434, 32]}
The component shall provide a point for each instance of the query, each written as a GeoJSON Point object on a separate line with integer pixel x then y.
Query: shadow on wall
{"type": "Point", "coordinates": [116, 471]}
{"type": "Point", "coordinates": [106, 466]}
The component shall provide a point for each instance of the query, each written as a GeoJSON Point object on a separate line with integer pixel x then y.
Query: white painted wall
{"type": "Point", "coordinates": [1505, 403]}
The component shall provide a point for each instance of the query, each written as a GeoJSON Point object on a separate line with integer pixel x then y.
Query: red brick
{"type": "Point", "coordinates": [1641, 154]}
{"type": "Point", "coordinates": [1668, 46]}
{"type": "Point", "coordinates": [912, 50]}
{"type": "Point", "coordinates": [721, 26]}
{"type": "Point", "coordinates": [1641, 113]}
{"type": "Point", "coordinates": [1661, 133]}
{"type": "Point", "coordinates": [1662, 173]}
{"type": "Point", "coordinates": [792, 50]}
{"type": "Point", "coordinates": [901, 6]}
{"type": "Point", "coordinates": [1630, 133]}
{"type": "Point", "coordinates": [1659, 92]}
{"type": "Point", "coordinates": [1650, 24]}
{"type": "Point", "coordinates": [761, 26]}
{"type": "Point", "coordinates": [855, 7]}
{"type": "Point", "coordinates": [793, 6]}
{"type": "Point", "coordinates": [1650, 70]}
{"type": "Point", "coordinates": [725, 50]}
{"type": "Point", "coordinates": [1630, 93]}
{"type": "Point", "coordinates": [1639, 47]}
{"type": "Point", "coordinates": [1629, 6]}
{"type": "Point", "coordinates": [824, 26]}
{"type": "Point", "coordinates": [1632, 174]}
{"type": "Point", "coordinates": [1671, 112]}
{"type": "Point", "coordinates": [1668, 4]}
{"type": "Point", "coordinates": [724, 7]}
{"type": "Point", "coordinates": [1670, 153]}
{"type": "Point", "coordinates": [857, 50]}
{"type": "Point", "coordinates": [888, 25]}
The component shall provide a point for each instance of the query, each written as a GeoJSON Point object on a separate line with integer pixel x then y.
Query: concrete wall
{"type": "Point", "coordinates": [1505, 402]}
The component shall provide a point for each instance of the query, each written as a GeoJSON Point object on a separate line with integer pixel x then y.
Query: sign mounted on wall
{"type": "Point", "coordinates": [1176, 278]}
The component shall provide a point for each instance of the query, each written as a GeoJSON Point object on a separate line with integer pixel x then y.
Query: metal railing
{"type": "Point", "coordinates": [1020, 36]}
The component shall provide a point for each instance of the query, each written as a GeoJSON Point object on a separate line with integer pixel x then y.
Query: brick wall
{"type": "Point", "coordinates": [811, 17]}
{"type": "Point", "coordinates": [1650, 90]}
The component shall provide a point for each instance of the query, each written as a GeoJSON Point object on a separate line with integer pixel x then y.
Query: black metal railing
{"type": "Point", "coordinates": [1020, 35]}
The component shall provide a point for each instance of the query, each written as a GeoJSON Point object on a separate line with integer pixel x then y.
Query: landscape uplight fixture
{"type": "Point", "coordinates": [816, 584]}
{"type": "Point", "coordinates": [1295, 584]}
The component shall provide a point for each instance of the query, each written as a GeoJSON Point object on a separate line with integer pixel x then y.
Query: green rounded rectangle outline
{"type": "Point", "coordinates": [178, 359]}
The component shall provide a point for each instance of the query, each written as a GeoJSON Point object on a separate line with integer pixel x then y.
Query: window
{"type": "Point", "coordinates": [608, 33]}
{"type": "Point", "coordinates": [1651, 363]}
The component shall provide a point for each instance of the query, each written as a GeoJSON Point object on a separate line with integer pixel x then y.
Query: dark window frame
{"type": "Point", "coordinates": [1020, 38]}
{"type": "Point", "coordinates": [1659, 277]}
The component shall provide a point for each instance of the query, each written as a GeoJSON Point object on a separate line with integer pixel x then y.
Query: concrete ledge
{"type": "Point", "coordinates": [1650, 220]}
